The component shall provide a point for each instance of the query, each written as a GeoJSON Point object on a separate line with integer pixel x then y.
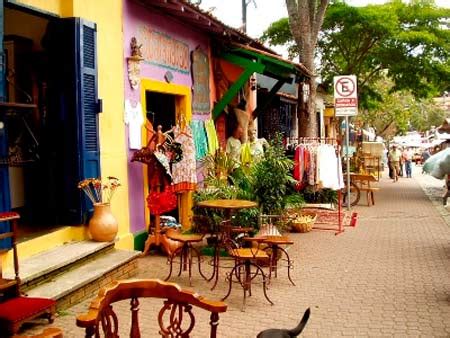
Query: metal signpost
{"type": "Point", "coordinates": [346, 104]}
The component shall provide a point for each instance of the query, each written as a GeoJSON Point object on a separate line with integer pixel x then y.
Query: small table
{"type": "Point", "coordinates": [229, 206]}
{"type": "Point", "coordinates": [363, 182]}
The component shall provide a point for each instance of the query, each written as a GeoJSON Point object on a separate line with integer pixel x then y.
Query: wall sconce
{"type": "Point", "coordinates": [134, 64]}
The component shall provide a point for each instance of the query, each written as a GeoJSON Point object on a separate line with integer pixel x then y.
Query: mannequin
{"type": "Point", "coordinates": [257, 145]}
{"type": "Point", "coordinates": [234, 145]}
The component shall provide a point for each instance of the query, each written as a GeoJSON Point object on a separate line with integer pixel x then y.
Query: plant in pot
{"type": "Point", "coordinates": [272, 184]}
{"type": "Point", "coordinates": [103, 225]}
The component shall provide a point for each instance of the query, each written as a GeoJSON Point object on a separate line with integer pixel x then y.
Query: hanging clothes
{"type": "Point", "coordinates": [134, 119]}
{"type": "Point", "coordinates": [211, 133]}
{"type": "Point", "coordinates": [317, 165]}
{"type": "Point", "coordinates": [246, 154]}
{"type": "Point", "coordinates": [200, 140]}
{"type": "Point", "coordinates": [184, 172]}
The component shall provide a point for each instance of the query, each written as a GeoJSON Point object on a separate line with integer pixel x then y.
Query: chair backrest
{"type": "Point", "coordinates": [102, 318]}
{"type": "Point", "coordinates": [6, 286]}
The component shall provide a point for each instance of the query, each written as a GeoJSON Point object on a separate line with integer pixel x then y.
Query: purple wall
{"type": "Point", "coordinates": [136, 16]}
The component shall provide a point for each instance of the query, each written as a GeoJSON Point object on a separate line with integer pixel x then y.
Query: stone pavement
{"type": "Point", "coordinates": [389, 276]}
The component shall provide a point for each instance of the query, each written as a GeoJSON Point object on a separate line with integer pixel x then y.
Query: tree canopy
{"type": "Point", "coordinates": [409, 41]}
{"type": "Point", "coordinates": [399, 111]}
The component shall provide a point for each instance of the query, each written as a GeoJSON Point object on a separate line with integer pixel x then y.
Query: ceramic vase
{"type": "Point", "coordinates": [103, 225]}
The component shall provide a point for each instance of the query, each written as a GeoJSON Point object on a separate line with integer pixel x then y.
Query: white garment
{"type": "Point", "coordinates": [134, 119]}
{"type": "Point", "coordinates": [329, 168]}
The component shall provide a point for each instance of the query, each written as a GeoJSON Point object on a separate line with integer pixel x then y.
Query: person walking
{"type": "Point", "coordinates": [394, 157]}
{"type": "Point", "coordinates": [407, 159]}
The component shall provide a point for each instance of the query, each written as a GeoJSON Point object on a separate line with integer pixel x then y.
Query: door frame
{"type": "Point", "coordinates": [183, 105]}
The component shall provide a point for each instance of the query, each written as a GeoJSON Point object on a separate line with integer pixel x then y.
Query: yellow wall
{"type": "Point", "coordinates": [107, 14]}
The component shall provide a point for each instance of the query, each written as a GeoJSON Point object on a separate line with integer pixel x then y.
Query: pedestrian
{"type": "Point", "coordinates": [407, 159]}
{"type": "Point", "coordinates": [394, 157]}
{"type": "Point", "coordinates": [425, 155]}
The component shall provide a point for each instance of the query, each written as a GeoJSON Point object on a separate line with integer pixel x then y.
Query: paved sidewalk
{"type": "Point", "coordinates": [389, 276]}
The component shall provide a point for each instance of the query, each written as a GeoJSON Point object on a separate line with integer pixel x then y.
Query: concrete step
{"type": "Point", "coordinates": [99, 268]}
{"type": "Point", "coordinates": [57, 260]}
{"type": "Point", "coordinates": [75, 271]}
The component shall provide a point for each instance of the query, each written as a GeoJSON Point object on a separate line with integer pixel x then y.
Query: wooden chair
{"type": "Point", "coordinates": [177, 306]}
{"type": "Point", "coordinates": [16, 309]}
{"type": "Point", "coordinates": [185, 251]}
{"type": "Point", "coordinates": [245, 259]}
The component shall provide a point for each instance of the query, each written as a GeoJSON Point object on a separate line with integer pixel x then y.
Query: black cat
{"type": "Point", "coordinates": [283, 333]}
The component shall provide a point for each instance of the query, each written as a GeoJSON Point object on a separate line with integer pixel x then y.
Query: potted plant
{"type": "Point", "coordinates": [103, 225]}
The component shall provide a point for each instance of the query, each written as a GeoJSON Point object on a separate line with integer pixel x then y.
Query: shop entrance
{"type": "Point", "coordinates": [161, 111]}
{"type": "Point", "coordinates": [42, 138]}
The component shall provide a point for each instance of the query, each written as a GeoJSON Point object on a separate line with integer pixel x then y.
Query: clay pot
{"type": "Point", "coordinates": [103, 226]}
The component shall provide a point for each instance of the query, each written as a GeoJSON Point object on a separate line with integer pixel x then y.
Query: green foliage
{"type": "Point", "coordinates": [267, 182]}
{"type": "Point", "coordinates": [271, 177]}
{"type": "Point", "coordinates": [400, 109]}
{"type": "Point", "coordinates": [319, 196]}
{"type": "Point", "coordinates": [410, 41]}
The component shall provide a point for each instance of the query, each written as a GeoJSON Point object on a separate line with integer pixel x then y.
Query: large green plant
{"type": "Point", "coordinates": [271, 178]}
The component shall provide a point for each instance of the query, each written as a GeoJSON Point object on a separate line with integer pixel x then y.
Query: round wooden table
{"type": "Point", "coordinates": [227, 204]}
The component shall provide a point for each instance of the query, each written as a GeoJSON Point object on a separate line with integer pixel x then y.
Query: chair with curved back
{"type": "Point", "coordinates": [246, 260]}
{"type": "Point", "coordinates": [177, 307]}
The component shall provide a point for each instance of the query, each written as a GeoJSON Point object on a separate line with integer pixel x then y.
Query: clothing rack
{"type": "Point", "coordinates": [336, 144]}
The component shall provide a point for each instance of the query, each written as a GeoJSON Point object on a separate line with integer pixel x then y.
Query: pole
{"type": "Point", "coordinates": [244, 16]}
{"type": "Point", "coordinates": [347, 141]}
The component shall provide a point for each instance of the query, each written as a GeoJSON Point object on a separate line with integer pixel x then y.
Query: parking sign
{"type": "Point", "coordinates": [345, 95]}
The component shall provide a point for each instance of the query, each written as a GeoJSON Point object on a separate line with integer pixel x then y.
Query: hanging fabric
{"type": "Point", "coordinates": [200, 140]}
{"type": "Point", "coordinates": [161, 202]}
{"type": "Point", "coordinates": [211, 134]}
{"type": "Point", "coordinates": [134, 119]}
{"type": "Point", "coordinates": [184, 173]}
{"type": "Point", "coordinates": [314, 165]}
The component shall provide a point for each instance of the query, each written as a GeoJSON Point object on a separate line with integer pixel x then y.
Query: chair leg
{"type": "Point", "coordinates": [289, 264]}
{"type": "Point", "coordinates": [172, 256]}
{"type": "Point", "coordinates": [199, 263]}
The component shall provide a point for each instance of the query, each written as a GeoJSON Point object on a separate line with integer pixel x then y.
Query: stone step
{"type": "Point", "coordinates": [85, 280]}
{"type": "Point", "coordinates": [50, 263]}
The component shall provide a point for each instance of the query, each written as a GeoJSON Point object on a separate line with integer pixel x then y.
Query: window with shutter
{"type": "Point", "coordinates": [75, 81]}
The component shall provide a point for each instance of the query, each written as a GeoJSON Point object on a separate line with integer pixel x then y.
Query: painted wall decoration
{"type": "Point", "coordinates": [162, 50]}
{"type": "Point", "coordinates": [200, 80]}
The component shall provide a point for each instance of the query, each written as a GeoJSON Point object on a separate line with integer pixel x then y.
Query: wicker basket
{"type": "Point", "coordinates": [304, 226]}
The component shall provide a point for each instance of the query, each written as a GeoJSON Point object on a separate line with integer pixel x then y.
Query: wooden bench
{"type": "Point", "coordinates": [365, 183]}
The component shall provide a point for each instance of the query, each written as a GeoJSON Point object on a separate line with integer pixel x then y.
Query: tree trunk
{"type": "Point", "coordinates": [305, 21]}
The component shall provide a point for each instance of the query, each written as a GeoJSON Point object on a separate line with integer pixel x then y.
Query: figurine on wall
{"type": "Point", "coordinates": [135, 48]}
{"type": "Point", "coordinates": [134, 63]}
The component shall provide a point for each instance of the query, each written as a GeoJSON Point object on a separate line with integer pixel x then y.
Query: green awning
{"type": "Point", "coordinates": [255, 61]}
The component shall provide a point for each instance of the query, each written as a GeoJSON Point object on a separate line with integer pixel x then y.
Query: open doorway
{"type": "Point", "coordinates": [41, 115]}
{"type": "Point", "coordinates": [161, 111]}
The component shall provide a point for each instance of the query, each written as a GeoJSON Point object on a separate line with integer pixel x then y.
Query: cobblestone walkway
{"type": "Point", "coordinates": [389, 276]}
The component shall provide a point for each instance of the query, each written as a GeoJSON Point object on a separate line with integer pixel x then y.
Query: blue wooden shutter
{"type": "Point", "coordinates": [88, 109]}
{"type": "Point", "coordinates": [78, 105]}
{"type": "Point", "coordinates": [4, 177]}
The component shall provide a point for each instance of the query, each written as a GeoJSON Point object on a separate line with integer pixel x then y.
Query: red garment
{"type": "Point", "coordinates": [297, 164]}
{"type": "Point", "coordinates": [162, 202]}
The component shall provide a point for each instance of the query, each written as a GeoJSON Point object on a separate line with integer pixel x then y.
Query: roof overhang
{"type": "Point", "coordinates": [256, 61]}
{"type": "Point", "coordinates": [186, 12]}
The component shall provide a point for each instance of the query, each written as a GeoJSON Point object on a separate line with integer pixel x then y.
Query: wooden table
{"type": "Point", "coordinates": [365, 183]}
{"type": "Point", "coordinates": [229, 206]}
